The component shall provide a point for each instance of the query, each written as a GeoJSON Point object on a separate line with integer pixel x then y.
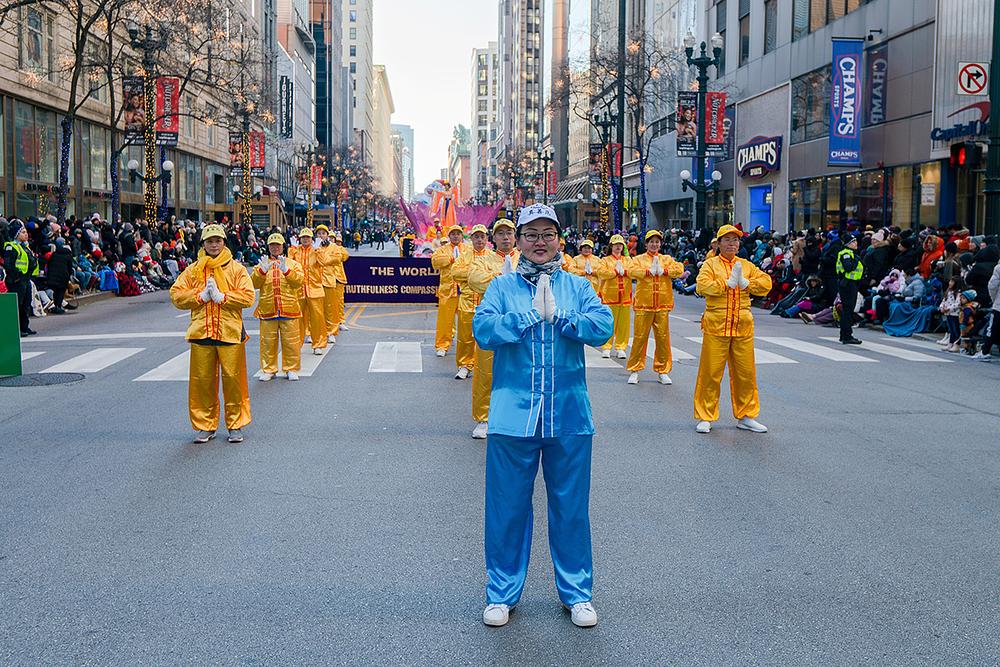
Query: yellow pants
{"type": "Point", "coordinates": [445, 322]}
{"type": "Point", "coordinates": [623, 324]}
{"type": "Point", "coordinates": [465, 344]}
{"type": "Point", "coordinates": [288, 331]}
{"type": "Point", "coordinates": [663, 358]}
{"type": "Point", "coordinates": [313, 320]}
{"type": "Point", "coordinates": [330, 315]}
{"type": "Point", "coordinates": [716, 352]}
{"type": "Point", "coordinates": [339, 306]}
{"type": "Point", "coordinates": [482, 385]}
{"type": "Point", "coordinates": [203, 386]}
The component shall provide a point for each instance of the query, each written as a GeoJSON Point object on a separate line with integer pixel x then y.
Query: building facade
{"type": "Point", "coordinates": [484, 117]}
{"type": "Point", "coordinates": [326, 17]}
{"type": "Point", "coordinates": [358, 22]}
{"type": "Point", "coordinates": [381, 131]}
{"type": "Point", "coordinates": [405, 133]}
{"type": "Point", "coordinates": [521, 76]}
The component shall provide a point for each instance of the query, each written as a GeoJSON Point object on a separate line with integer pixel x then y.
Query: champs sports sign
{"type": "Point", "coordinates": [759, 156]}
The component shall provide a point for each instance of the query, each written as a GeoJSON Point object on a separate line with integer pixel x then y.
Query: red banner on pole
{"type": "Point", "coordinates": [167, 105]}
{"type": "Point", "coordinates": [552, 183]}
{"type": "Point", "coordinates": [316, 179]}
{"type": "Point", "coordinates": [715, 118]}
{"type": "Point", "coordinates": [615, 159]}
{"type": "Point", "coordinates": [257, 154]}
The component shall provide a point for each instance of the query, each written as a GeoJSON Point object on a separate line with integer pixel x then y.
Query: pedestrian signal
{"type": "Point", "coordinates": [966, 154]}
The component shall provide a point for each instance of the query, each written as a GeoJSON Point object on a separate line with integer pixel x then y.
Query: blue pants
{"type": "Point", "coordinates": [511, 468]}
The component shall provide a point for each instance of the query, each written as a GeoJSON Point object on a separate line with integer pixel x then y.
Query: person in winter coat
{"type": "Point", "coordinates": [58, 274]}
{"type": "Point", "coordinates": [20, 265]}
{"type": "Point", "coordinates": [933, 250]}
{"type": "Point", "coordinates": [983, 263]}
{"type": "Point", "coordinates": [810, 257]}
{"type": "Point", "coordinates": [993, 287]}
{"type": "Point", "coordinates": [909, 256]}
{"type": "Point", "coordinates": [949, 266]}
{"type": "Point", "coordinates": [913, 292]}
{"type": "Point", "coordinates": [878, 258]}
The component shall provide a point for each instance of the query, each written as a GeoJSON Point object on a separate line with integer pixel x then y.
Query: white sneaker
{"type": "Point", "coordinates": [281, 374]}
{"type": "Point", "coordinates": [462, 374]}
{"type": "Point", "coordinates": [293, 376]}
{"type": "Point", "coordinates": [633, 379]}
{"type": "Point", "coordinates": [665, 379]}
{"type": "Point", "coordinates": [979, 356]}
{"type": "Point", "coordinates": [266, 377]}
{"type": "Point", "coordinates": [331, 339]}
{"type": "Point", "coordinates": [441, 353]}
{"type": "Point", "coordinates": [317, 351]}
{"type": "Point", "coordinates": [703, 427]}
{"type": "Point", "coordinates": [945, 341]}
{"type": "Point", "coordinates": [606, 354]}
{"type": "Point", "coordinates": [479, 433]}
{"type": "Point", "coordinates": [583, 614]}
{"type": "Point", "coordinates": [751, 424]}
{"type": "Point", "coordinates": [344, 327]}
{"type": "Point", "coordinates": [622, 354]}
{"type": "Point", "coordinates": [308, 339]}
{"type": "Point", "coordinates": [953, 348]}
{"type": "Point", "coordinates": [496, 615]}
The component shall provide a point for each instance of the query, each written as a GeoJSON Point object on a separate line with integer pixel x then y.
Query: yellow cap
{"type": "Point", "coordinates": [479, 228]}
{"type": "Point", "coordinates": [503, 222]}
{"type": "Point", "coordinates": [728, 229]}
{"type": "Point", "coordinates": [305, 231]}
{"type": "Point", "coordinates": [458, 228]}
{"type": "Point", "coordinates": [653, 232]}
{"type": "Point", "coordinates": [275, 238]}
{"type": "Point", "coordinates": [322, 228]}
{"type": "Point", "coordinates": [213, 231]}
{"type": "Point", "coordinates": [617, 238]}
{"type": "Point", "coordinates": [586, 242]}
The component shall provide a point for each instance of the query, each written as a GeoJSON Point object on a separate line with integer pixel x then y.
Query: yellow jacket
{"type": "Point", "coordinates": [467, 299]}
{"type": "Point", "coordinates": [279, 292]}
{"type": "Point", "coordinates": [615, 290]}
{"type": "Point", "coordinates": [443, 260]}
{"type": "Point", "coordinates": [209, 320]}
{"type": "Point", "coordinates": [338, 266]}
{"type": "Point", "coordinates": [313, 267]}
{"type": "Point", "coordinates": [654, 292]}
{"type": "Point", "coordinates": [578, 267]}
{"type": "Point", "coordinates": [727, 311]}
{"type": "Point", "coordinates": [330, 260]}
{"type": "Point", "coordinates": [567, 260]}
{"type": "Point", "coordinates": [484, 269]}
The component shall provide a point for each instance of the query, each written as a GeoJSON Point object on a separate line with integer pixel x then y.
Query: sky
{"type": "Point", "coordinates": [426, 47]}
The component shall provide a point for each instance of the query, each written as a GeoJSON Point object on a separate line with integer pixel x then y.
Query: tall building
{"type": "Point", "coordinates": [357, 54]}
{"type": "Point", "coordinates": [327, 26]}
{"type": "Point", "coordinates": [405, 133]}
{"type": "Point", "coordinates": [485, 71]}
{"type": "Point", "coordinates": [520, 49]}
{"type": "Point", "coordinates": [381, 131]}
{"type": "Point", "coordinates": [459, 164]}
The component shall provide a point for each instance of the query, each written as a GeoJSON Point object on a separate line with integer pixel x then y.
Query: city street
{"type": "Point", "coordinates": [347, 529]}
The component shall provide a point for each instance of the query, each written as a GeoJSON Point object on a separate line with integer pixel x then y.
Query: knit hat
{"type": "Point", "coordinates": [969, 295]}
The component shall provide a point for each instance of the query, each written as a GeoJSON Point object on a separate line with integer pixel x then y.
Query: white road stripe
{"type": "Point", "coordinates": [913, 342]}
{"type": "Point", "coordinates": [95, 360]}
{"type": "Point", "coordinates": [760, 356]}
{"type": "Point", "coordinates": [595, 360]}
{"type": "Point", "coordinates": [30, 355]}
{"type": "Point", "coordinates": [898, 352]}
{"type": "Point", "coordinates": [678, 354]}
{"type": "Point", "coordinates": [116, 336]}
{"type": "Point", "coordinates": [174, 370]}
{"type": "Point", "coordinates": [396, 357]}
{"type": "Point", "coordinates": [309, 361]}
{"type": "Point", "coordinates": [817, 350]}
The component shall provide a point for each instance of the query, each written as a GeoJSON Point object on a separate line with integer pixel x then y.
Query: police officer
{"type": "Point", "coordinates": [849, 272]}
{"type": "Point", "coordinates": [21, 265]}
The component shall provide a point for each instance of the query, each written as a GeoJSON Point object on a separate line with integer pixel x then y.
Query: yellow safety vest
{"type": "Point", "coordinates": [23, 260]}
{"type": "Point", "coordinates": [851, 275]}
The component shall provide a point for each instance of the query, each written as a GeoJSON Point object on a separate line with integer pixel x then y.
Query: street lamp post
{"type": "Point", "coordinates": [151, 181]}
{"type": "Point", "coordinates": [310, 153]}
{"type": "Point", "coordinates": [703, 61]}
{"type": "Point", "coordinates": [605, 124]}
{"type": "Point", "coordinates": [149, 45]}
{"type": "Point", "coordinates": [545, 158]}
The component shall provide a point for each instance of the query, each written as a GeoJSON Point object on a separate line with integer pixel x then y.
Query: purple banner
{"type": "Point", "coordinates": [390, 280]}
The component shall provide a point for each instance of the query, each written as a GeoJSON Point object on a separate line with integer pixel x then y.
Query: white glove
{"type": "Point", "coordinates": [736, 277]}
{"type": "Point", "coordinates": [587, 269]}
{"type": "Point", "coordinates": [508, 266]}
{"type": "Point", "coordinates": [206, 294]}
{"type": "Point", "coordinates": [538, 301]}
{"type": "Point", "coordinates": [282, 265]}
{"type": "Point", "coordinates": [455, 252]}
{"type": "Point", "coordinates": [316, 243]}
{"type": "Point", "coordinates": [264, 265]}
{"type": "Point", "coordinates": [655, 267]}
{"type": "Point", "coordinates": [619, 269]}
{"type": "Point", "coordinates": [550, 298]}
{"type": "Point", "coordinates": [217, 296]}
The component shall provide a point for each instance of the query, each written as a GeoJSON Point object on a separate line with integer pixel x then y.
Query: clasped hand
{"type": "Point", "coordinates": [211, 292]}
{"type": "Point", "coordinates": [544, 300]}
{"type": "Point", "coordinates": [736, 279]}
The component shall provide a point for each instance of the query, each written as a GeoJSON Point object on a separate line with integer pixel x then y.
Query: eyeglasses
{"type": "Point", "coordinates": [532, 237]}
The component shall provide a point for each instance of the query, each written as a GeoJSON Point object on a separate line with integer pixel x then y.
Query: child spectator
{"type": "Point", "coordinates": [951, 309]}
{"type": "Point", "coordinates": [968, 320]}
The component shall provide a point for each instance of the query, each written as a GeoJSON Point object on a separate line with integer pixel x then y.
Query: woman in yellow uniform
{"type": "Point", "coordinates": [216, 290]}
{"type": "Point", "coordinates": [443, 261]}
{"type": "Point", "coordinates": [279, 280]}
{"type": "Point", "coordinates": [616, 293]}
{"type": "Point", "coordinates": [585, 264]}
{"type": "Point", "coordinates": [311, 295]}
{"type": "Point", "coordinates": [331, 259]}
{"type": "Point", "coordinates": [654, 299]}
{"type": "Point", "coordinates": [465, 344]}
{"type": "Point", "coordinates": [484, 269]}
{"type": "Point", "coordinates": [727, 283]}
{"type": "Point", "coordinates": [341, 274]}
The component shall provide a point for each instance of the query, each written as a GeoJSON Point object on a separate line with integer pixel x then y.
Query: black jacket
{"type": "Point", "coordinates": [979, 275]}
{"type": "Point", "coordinates": [60, 267]}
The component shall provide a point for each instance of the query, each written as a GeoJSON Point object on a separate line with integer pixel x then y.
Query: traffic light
{"type": "Point", "coordinates": [966, 154]}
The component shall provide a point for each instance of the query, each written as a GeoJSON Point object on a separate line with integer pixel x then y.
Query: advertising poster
{"type": "Point", "coordinates": [594, 168]}
{"type": "Point", "coordinates": [715, 124]}
{"type": "Point", "coordinates": [285, 105]}
{"type": "Point", "coordinates": [167, 107]}
{"type": "Point", "coordinates": [258, 155]}
{"type": "Point", "coordinates": [877, 84]}
{"type": "Point", "coordinates": [316, 179]}
{"type": "Point", "coordinates": [552, 182]}
{"type": "Point", "coordinates": [134, 101]}
{"type": "Point", "coordinates": [235, 153]}
{"type": "Point", "coordinates": [845, 103]}
{"type": "Point", "coordinates": [687, 123]}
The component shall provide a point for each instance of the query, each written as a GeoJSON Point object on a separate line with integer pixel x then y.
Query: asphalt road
{"type": "Point", "coordinates": [347, 529]}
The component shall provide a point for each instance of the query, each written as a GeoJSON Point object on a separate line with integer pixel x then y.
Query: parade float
{"type": "Point", "coordinates": [434, 210]}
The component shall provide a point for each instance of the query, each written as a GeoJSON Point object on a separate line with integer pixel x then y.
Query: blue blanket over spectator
{"type": "Point", "coordinates": [905, 319]}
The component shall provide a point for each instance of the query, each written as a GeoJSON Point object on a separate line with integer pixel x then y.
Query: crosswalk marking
{"type": "Point", "coordinates": [678, 354]}
{"type": "Point", "coordinates": [310, 362]}
{"type": "Point", "coordinates": [396, 357]}
{"type": "Point", "coordinates": [899, 353]}
{"type": "Point", "coordinates": [30, 355]}
{"type": "Point", "coordinates": [922, 344]}
{"type": "Point", "coordinates": [174, 370]}
{"type": "Point", "coordinates": [95, 360]}
{"type": "Point", "coordinates": [760, 356]}
{"type": "Point", "coordinates": [593, 359]}
{"type": "Point", "coordinates": [817, 350]}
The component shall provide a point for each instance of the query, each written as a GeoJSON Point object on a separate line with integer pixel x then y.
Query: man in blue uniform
{"type": "Point", "coordinates": [537, 321]}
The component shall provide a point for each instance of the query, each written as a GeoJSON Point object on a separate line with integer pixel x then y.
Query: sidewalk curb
{"type": "Point", "coordinates": [95, 297]}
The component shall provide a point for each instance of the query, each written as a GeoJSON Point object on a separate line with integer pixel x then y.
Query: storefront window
{"type": "Point", "coordinates": [863, 203]}
{"type": "Point", "coordinates": [805, 203]}
{"type": "Point", "coordinates": [902, 197]}
{"type": "Point", "coordinates": [130, 153]}
{"type": "Point", "coordinates": [94, 140]}
{"type": "Point", "coordinates": [720, 208]}
{"type": "Point", "coordinates": [831, 208]}
{"type": "Point", "coordinates": [811, 105]}
{"type": "Point", "coordinates": [930, 193]}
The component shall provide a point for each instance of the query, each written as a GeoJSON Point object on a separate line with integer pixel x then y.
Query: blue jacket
{"type": "Point", "coordinates": [539, 370]}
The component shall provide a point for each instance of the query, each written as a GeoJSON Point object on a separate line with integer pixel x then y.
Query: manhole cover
{"type": "Point", "coordinates": [41, 379]}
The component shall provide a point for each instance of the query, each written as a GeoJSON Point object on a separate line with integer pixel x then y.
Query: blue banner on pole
{"type": "Point", "coordinates": [845, 103]}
